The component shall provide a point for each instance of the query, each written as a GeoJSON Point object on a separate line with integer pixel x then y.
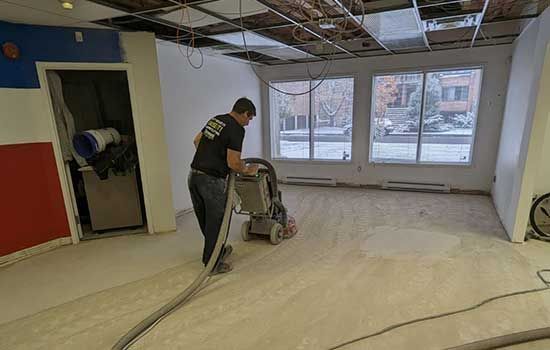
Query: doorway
{"type": "Point", "coordinates": [104, 175]}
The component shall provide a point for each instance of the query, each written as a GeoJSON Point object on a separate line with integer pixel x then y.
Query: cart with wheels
{"type": "Point", "coordinates": [262, 202]}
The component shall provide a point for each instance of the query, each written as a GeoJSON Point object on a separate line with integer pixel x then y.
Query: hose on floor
{"type": "Point", "coordinates": [147, 324]}
{"type": "Point", "coordinates": [486, 344]}
{"type": "Point", "coordinates": [506, 340]}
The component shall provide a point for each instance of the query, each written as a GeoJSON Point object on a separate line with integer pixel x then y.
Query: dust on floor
{"type": "Point", "coordinates": [363, 260]}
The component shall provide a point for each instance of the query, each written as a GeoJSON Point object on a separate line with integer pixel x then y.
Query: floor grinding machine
{"type": "Point", "coordinates": [260, 199]}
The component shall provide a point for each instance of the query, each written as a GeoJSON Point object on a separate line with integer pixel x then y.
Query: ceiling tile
{"type": "Point", "coordinates": [87, 25]}
{"type": "Point", "coordinates": [190, 16]}
{"type": "Point", "coordinates": [230, 8]}
{"type": "Point", "coordinates": [225, 8]}
{"type": "Point", "coordinates": [134, 6]}
{"type": "Point", "coordinates": [18, 14]}
{"type": "Point", "coordinates": [50, 12]}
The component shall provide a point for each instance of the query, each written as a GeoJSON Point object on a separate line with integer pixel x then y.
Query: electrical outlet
{"type": "Point", "coordinates": [78, 37]}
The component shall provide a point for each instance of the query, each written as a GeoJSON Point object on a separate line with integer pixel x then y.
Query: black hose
{"type": "Point", "coordinates": [450, 313]}
{"type": "Point", "coordinates": [506, 340]}
{"type": "Point", "coordinates": [135, 333]}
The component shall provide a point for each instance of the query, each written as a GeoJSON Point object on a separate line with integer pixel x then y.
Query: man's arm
{"type": "Point", "coordinates": [197, 140]}
{"type": "Point", "coordinates": [237, 164]}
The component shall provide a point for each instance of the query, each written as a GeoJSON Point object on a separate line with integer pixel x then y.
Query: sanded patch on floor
{"type": "Point", "coordinates": [398, 242]}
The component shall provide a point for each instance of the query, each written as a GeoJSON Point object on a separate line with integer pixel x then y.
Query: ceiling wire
{"type": "Point", "coordinates": [452, 10]}
{"type": "Point", "coordinates": [339, 32]}
{"type": "Point", "coordinates": [313, 22]}
{"type": "Point", "coordinates": [328, 62]}
{"type": "Point", "coordinates": [187, 54]}
{"type": "Point", "coordinates": [326, 67]}
{"type": "Point", "coordinates": [190, 49]}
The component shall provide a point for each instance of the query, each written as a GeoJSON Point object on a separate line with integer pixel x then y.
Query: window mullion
{"type": "Point", "coordinates": [421, 119]}
{"type": "Point", "coordinates": [311, 122]}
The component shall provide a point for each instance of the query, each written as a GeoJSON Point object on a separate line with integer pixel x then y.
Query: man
{"type": "Point", "coordinates": [218, 150]}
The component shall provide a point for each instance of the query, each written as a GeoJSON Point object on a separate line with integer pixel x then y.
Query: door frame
{"type": "Point", "coordinates": [66, 189]}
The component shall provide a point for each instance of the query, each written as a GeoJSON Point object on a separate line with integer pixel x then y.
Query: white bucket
{"type": "Point", "coordinates": [104, 137]}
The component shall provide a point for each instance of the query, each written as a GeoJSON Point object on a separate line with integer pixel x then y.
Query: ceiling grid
{"type": "Point", "coordinates": [283, 31]}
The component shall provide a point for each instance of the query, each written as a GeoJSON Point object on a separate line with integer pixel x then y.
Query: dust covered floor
{"type": "Point", "coordinates": [363, 260]}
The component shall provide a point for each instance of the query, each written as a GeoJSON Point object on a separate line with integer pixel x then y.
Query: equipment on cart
{"type": "Point", "coordinates": [262, 201]}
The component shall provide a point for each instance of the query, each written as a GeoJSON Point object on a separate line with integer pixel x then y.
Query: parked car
{"type": "Point", "coordinates": [347, 129]}
{"type": "Point", "coordinates": [384, 126]}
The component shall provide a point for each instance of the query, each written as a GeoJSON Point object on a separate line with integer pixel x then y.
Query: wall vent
{"type": "Point", "coordinates": [327, 181]}
{"type": "Point", "coordinates": [416, 186]}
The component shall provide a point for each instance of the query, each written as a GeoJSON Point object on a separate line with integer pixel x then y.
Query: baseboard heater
{"type": "Point", "coordinates": [416, 186]}
{"type": "Point", "coordinates": [327, 181]}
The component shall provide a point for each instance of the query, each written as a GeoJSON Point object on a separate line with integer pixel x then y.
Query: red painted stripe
{"type": "Point", "coordinates": [32, 210]}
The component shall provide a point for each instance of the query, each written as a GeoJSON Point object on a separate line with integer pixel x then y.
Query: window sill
{"type": "Point", "coordinates": [422, 164]}
{"type": "Point", "coordinates": [312, 161]}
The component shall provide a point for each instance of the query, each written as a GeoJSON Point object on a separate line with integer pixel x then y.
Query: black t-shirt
{"type": "Point", "coordinates": [219, 134]}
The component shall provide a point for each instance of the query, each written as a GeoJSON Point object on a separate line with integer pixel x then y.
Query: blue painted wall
{"type": "Point", "coordinates": [52, 44]}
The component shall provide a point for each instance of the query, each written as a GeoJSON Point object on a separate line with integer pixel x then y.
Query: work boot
{"type": "Point", "coordinates": [222, 267]}
{"type": "Point", "coordinates": [227, 250]}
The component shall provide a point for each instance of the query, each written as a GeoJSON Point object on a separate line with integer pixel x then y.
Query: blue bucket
{"type": "Point", "coordinates": [85, 145]}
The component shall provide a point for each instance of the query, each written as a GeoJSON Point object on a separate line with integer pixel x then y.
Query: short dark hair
{"type": "Point", "coordinates": [244, 105]}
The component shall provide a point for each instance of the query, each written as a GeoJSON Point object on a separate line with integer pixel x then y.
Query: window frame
{"type": "Point", "coordinates": [424, 71]}
{"type": "Point", "coordinates": [310, 160]}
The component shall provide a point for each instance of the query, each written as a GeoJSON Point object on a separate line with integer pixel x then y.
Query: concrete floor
{"type": "Point", "coordinates": [363, 260]}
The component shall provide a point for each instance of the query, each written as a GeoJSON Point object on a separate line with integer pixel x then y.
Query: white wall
{"type": "Point", "coordinates": [478, 176]}
{"type": "Point", "coordinates": [191, 97]}
{"type": "Point", "coordinates": [140, 51]}
{"type": "Point", "coordinates": [522, 135]}
{"type": "Point", "coordinates": [542, 182]}
{"type": "Point", "coordinates": [23, 119]}
{"type": "Point", "coordinates": [518, 102]}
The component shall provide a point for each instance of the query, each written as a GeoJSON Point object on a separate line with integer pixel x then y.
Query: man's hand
{"type": "Point", "coordinates": [251, 169]}
{"type": "Point", "coordinates": [235, 162]}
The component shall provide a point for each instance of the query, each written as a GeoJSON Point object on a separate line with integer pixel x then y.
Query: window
{"type": "Point", "coordinates": [433, 124]}
{"type": "Point", "coordinates": [388, 122]}
{"type": "Point", "coordinates": [448, 93]}
{"type": "Point", "coordinates": [455, 93]}
{"type": "Point", "coordinates": [461, 93]}
{"type": "Point", "coordinates": [314, 126]}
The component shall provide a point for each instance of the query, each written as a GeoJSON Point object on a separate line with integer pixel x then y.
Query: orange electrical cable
{"type": "Point", "coordinates": [187, 54]}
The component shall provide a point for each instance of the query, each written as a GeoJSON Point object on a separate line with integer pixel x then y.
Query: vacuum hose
{"type": "Point", "coordinates": [506, 340]}
{"type": "Point", "coordinates": [274, 189]}
{"type": "Point", "coordinates": [132, 335]}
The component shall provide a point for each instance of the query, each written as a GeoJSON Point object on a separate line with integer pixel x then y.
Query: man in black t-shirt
{"type": "Point", "coordinates": [218, 151]}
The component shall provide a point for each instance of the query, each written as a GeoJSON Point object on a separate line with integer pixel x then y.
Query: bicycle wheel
{"type": "Point", "coordinates": [539, 216]}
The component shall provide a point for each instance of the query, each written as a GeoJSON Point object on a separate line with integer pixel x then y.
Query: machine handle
{"type": "Point", "coordinates": [270, 170]}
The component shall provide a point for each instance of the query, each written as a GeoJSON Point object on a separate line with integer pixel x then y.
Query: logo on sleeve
{"type": "Point", "coordinates": [213, 128]}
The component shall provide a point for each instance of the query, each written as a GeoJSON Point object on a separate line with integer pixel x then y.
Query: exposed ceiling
{"type": "Point", "coordinates": [288, 31]}
{"type": "Point", "coordinates": [50, 12]}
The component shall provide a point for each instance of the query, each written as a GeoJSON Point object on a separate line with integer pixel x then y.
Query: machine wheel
{"type": "Point", "coordinates": [540, 215]}
{"type": "Point", "coordinates": [276, 234]}
{"type": "Point", "coordinates": [244, 231]}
